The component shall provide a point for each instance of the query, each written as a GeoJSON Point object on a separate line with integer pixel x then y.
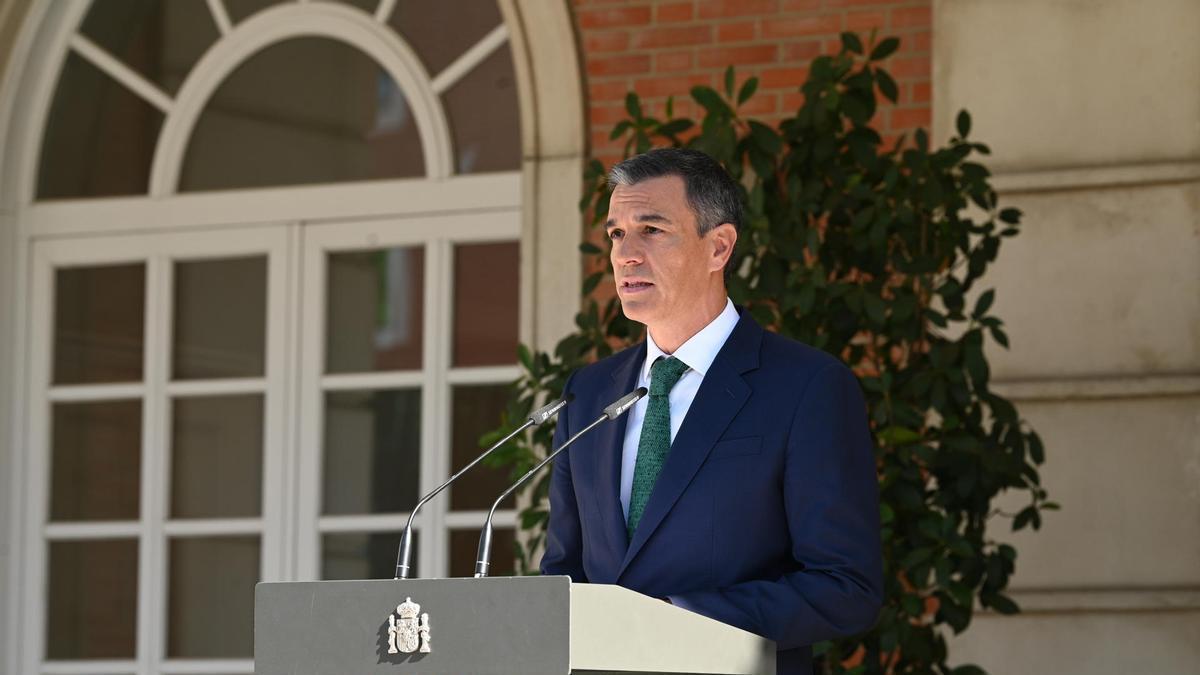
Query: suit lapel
{"type": "Point", "coordinates": [719, 399]}
{"type": "Point", "coordinates": [609, 444]}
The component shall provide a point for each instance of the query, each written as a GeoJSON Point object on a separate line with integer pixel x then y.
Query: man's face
{"type": "Point", "coordinates": [662, 266]}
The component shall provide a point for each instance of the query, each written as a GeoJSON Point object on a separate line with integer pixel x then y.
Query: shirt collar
{"type": "Point", "coordinates": [700, 350]}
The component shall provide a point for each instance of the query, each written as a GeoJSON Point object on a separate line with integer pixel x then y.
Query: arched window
{"type": "Point", "coordinates": [274, 296]}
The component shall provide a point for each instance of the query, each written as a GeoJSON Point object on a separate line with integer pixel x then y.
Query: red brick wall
{"type": "Point", "coordinates": [660, 48]}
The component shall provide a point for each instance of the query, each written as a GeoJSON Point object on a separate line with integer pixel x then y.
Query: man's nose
{"type": "Point", "coordinates": [626, 252]}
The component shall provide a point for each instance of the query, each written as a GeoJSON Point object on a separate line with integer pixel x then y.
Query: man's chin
{"type": "Point", "coordinates": [636, 310]}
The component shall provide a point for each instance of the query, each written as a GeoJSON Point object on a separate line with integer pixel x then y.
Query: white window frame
{"type": "Point", "coordinates": [437, 234]}
{"type": "Point", "coordinates": [553, 147]}
{"type": "Point", "coordinates": [153, 529]}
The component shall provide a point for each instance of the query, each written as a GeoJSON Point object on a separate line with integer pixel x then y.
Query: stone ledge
{"type": "Point", "coordinates": [1067, 389]}
{"type": "Point", "coordinates": [1083, 178]}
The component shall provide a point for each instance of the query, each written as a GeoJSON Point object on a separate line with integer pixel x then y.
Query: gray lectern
{"type": "Point", "coordinates": [493, 626]}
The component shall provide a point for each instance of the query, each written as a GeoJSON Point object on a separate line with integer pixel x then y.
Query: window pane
{"type": "Point", "coordinates": [96, 463]}
{"type": "Point", "coordinates": [303, 111]}
{"type": "Point", "coordinates": [364, 555]}
{"type": "Point", "coordinates": [485, 304]}
{"type": "Point", "coordinates": [374, 310]}
{"type": "Point", "coordinates": [217, 457]}
{"type": "Point", "coordinates": [99, 138]}
{"type": "Point", "coordinates": [464, 547]}
{"type": "Point", "coordinates": [220, 318]}
{"type": "Point", "coordinates": [441, 31]}
{"type": "Point", "coordinates": [99, 320]}
{"type": "Point", "coordinates": [240, 10]}
{"type": "Point", "coordinates": [159, 40]}
{"type": "Point", "coordinates": [372, 451]}
{"type": "Point", "coordinates": [211, 597]}
{"type": "Point", "coordinates": [477, 409]}
{"type": "Point", "coordinates": [490, 142]}
{"type": "Point", "coordinates": [92, 610]}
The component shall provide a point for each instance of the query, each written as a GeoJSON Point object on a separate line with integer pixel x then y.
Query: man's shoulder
{"type": "Point", "coordinates": [794, 358]}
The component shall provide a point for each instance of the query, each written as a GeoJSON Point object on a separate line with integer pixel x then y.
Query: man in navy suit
{"type": "Point", "coordinates": [743, 487]}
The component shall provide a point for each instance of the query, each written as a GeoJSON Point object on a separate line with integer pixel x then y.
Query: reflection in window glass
{"type": "Point", "coordinates": [490, 142]}
{"type": "Point", "coordinates": [476, 410]}
{"type": "Point", "coordinates": [99, 324]}
{"type": "Point", "coordinates": [441, 31]}
{"type": "Point", "coordinates": [486, 289]}
{"type": "Point", "coordinates": [372, 449]}
{"type": "Point", "coordinates": [210, 603]}
{"type": "Point", "coordinates": [99, 137]}
{"type": "Point", "coordinates": [303, 111]}
{"type": "Point", "coordinates": [96, 461]}
{"type": "Point", "coordinates": [364, 555]}
{"type": "Point", "coordinates": [91, 612]}
{"type": "Point", "coordinates": [217, 456]}
{"type": "Point", "coordinates": [160, 40]}
{"type": "Point", "coordinates": [374, 310]}
{"type": "Point", "coordinates": [220, 323]}
{"type": "Point", "coordinates": [464, 548]}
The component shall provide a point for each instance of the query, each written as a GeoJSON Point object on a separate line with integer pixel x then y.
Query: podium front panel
{"type": "Point", "coordinates": [496, 626]}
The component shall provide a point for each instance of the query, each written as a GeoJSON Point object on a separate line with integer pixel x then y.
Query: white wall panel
{"type": "Point", "coordinates": [1063, 83]}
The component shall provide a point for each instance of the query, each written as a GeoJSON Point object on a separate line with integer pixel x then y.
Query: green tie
{"type": "Point", "coordinates": [655, 441]}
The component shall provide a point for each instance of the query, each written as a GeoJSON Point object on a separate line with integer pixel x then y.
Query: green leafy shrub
{"type": "Point", "coordinates": [869, 253]}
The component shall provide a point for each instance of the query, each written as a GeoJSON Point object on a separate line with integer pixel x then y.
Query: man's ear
{"type": "Point", "coordinates": [724, 238]}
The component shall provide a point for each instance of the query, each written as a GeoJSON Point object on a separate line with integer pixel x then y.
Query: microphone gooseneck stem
{"type": "Point", "coordinates": [484, 557]}
{"type": "Point", "coordinates": [405, 552]}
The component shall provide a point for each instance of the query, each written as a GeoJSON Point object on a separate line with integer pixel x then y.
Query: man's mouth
{"type": "Point", "coordinates": [635, 285]}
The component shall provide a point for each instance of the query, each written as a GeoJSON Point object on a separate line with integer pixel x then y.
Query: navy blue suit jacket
{"type": "Point", "coordinates": [766, 513]}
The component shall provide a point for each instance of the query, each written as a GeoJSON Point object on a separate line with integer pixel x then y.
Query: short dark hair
{"type": "Point", "coordinates": [711, 193]}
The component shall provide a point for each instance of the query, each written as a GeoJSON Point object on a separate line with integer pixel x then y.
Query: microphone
{"type": "Point", "coordinates": [612, 412]}
{"type": "Point", "coordinates": [535, 418]}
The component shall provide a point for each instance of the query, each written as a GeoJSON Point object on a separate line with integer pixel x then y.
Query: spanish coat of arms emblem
{"type": "Point", "coordinates": [405, 633]}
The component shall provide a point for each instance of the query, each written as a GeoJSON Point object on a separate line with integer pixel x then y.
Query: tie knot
{"type": "Point", "coordinates": [665, 373]}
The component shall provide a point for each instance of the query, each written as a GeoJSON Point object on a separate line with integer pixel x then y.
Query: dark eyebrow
{"type": "Point", "coordinates": [641, 218]}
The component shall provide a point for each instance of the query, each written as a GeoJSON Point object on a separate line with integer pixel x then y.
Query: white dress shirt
{"type": "Point", "coordinates": [698, 353]}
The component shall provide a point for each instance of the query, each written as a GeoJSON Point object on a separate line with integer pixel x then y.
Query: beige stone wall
{"type": "Point", "coordinates": [1092, 110]}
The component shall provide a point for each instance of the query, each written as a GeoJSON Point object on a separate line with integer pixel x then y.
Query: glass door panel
{"type": "Point", "coordinates": [372, 455]}
{"type": "Point", "coordinates": [214, 438]}
{"type": "Point", "coordinates": [220, 318]}
{"type": "Point", "coordinates": [91, 608]}
{"type": "Point", "coordinates": [375, 310]}
{"type": "Point", "coordinates": [99, 323]}
{"type": "Point", "coordinates": [96, 461]}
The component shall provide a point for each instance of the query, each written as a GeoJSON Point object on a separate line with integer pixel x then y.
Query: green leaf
{"type": "Point", "coordinates": [619, 129]}
{"type": "Point", "coordinates": [633, 106]}
{"type": "Point", "coordinates": [588, 248]}
{"type": "Point", "coordinates": [885, 49]}
{"type": "Point", "coordinates": [711, 101]}
{"type": "Point", "coordinates": [1001, 603]}
{"type": "Point", "coordinates": [675, 127]}
{"type": "Point", "coordinates": [729, 82]}
{"type": "Point", "coordinates": [984, 303]}
{"type": "Point", "coordinates": [748, 89]}
{"type": "Point", "coordinates": [963, 123]}
{"type": "Point", "coordinates": [887, 86]}
{"type": "Point", "coordinates": [851, 43]}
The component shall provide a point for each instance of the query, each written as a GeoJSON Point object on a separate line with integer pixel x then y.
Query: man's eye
{"type": "Point", "coordinates": [615, 234]}
{"type": "Point", "coordinates": [650, 229]}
